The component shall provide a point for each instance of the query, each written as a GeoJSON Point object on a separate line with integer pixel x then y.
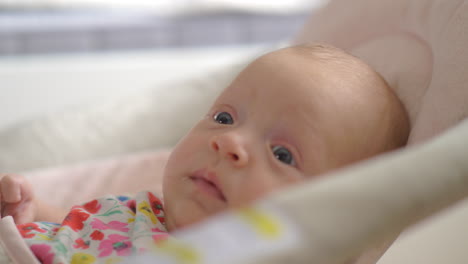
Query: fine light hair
{"type": "Point", "coordinates": [365, 78]}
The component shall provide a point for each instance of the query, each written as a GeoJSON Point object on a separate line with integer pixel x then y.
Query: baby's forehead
{"type": "Point", "coordinates": [296, 66]}
{"type": "Point", "coordinates": [293, 78]}
{"type": "Point", "coordinates": [325, 69]}
{"type": "Point", "coordinates": [278, 83]}
{"type": "Point", "coordinates": [317, 58]}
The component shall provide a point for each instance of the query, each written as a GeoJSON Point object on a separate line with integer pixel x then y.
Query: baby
{"type": "Point", "coordinates": [291, 115]}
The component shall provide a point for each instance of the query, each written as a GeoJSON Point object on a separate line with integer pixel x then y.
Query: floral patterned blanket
{"type": "Point", "coordinates": [104, 230]}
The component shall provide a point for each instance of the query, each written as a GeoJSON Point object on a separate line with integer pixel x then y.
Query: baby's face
{"type": "Point", "coordinates": [276, 124]}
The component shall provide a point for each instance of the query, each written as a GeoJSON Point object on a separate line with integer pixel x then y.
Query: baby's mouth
{"type": "Point", "coordinates": [206, 181]}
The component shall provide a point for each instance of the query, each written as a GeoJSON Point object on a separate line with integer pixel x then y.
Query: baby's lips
{"type": "Point", "coordinates": [211, 177]}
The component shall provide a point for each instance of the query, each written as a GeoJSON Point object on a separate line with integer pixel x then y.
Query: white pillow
{"type": "Point", "coordinates": [143, 121]}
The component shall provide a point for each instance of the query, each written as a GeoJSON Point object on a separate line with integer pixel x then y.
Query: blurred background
{"type": "Point", "coordinates": [58, 54]}
{"type": "Point", "coordinates": [65, 54]}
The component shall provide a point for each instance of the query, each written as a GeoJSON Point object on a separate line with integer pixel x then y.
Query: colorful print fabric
{"type": "Point", "coordinates": [105, 230]}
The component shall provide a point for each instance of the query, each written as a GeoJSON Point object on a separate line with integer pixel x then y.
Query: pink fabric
{"type": "Point", "coordinates": [76, 184]}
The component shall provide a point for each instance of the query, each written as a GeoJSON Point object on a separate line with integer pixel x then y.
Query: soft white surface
{"type": "Point", "coordinates": [439, 21]}
{"type": "Point", "coordinates": [177, 6]}
{"type": "Point", "coordinates": [438, 240]}
{"type": "Point", "coordinates": [35, 85]}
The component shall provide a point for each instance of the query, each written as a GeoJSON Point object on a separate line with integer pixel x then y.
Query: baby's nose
{"type": "Point", "coordinates": [231, 147]}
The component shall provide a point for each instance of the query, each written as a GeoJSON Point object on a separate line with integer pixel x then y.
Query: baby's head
{"type": "Point", "coordinates": [291, 115]}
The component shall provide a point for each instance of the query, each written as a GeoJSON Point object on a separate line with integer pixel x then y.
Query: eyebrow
{"type": "Point", "coordinates": [217, 105]}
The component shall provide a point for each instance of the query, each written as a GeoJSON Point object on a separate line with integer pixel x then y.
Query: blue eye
{"type": "Point", "coordinates": [283, 155]}
{"type": "Point", "coordinates": [223, 118]}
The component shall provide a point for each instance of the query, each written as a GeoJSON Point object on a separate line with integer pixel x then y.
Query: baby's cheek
{"type": "Point", "coordinates": [185, 149]}
{"type": "Point", "coordinates": [266, 186]}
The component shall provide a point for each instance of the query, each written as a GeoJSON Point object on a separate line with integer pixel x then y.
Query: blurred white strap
{"type": "Point", "coordinates": [349, 211]}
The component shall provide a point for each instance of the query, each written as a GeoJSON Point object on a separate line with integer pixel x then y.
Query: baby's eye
{"type": "Point", "coordinates": [223, 118]}
{"type": "Point", "coordinates": [283, 155]}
